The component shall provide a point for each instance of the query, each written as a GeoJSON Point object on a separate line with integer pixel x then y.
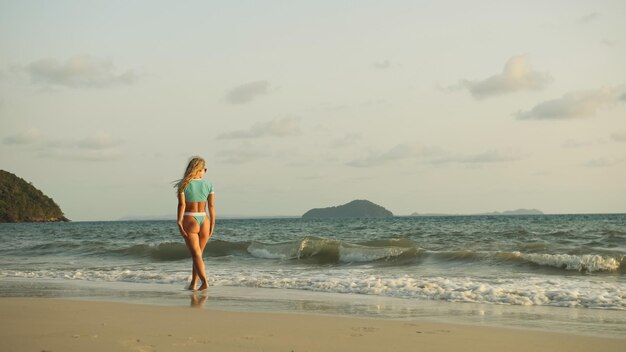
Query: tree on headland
{"type": "Point", "coordinates": [20, 201]}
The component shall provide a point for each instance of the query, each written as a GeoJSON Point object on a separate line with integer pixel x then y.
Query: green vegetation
{"type": "Point", "coordinates": [354, 209]}
{"type": "Point", "coordinates": [20, 201]}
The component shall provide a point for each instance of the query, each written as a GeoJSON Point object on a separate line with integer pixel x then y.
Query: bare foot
{"type": "Point", "coordinates": [192, 286]}
{"type": "Point", "coordinates": [204, 286]}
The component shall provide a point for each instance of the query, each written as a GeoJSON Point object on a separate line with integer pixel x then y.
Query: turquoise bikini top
{"type": "Point", "coordinates": [198, 191]}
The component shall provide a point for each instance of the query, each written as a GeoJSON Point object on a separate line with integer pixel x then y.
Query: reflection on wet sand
{"type": "Point", "coordinates": [198, 299]}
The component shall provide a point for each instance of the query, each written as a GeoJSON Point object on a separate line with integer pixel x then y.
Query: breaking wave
{"type": "Point", "coordinates": [317, 250]}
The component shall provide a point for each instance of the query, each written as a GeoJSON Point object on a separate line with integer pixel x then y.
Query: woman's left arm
{"type": "Point", "coordinates": [181, 213]}
{"type": "Point", "coordinates": [211, 206]}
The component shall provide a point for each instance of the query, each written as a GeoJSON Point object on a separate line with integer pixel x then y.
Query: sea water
{"type": "Point", "coordinates": [573, 262]}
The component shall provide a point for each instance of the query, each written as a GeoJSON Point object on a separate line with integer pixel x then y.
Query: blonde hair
{"type": "Point", "coordinates": [195, 165]}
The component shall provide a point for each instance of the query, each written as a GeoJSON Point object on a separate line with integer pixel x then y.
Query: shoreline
{"type": "Point", "coordinates": [74, 325]}
{"type": "Point", "coordinates": [562, 320]}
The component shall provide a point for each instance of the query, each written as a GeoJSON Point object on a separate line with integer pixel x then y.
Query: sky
{"type": "Point", "coordinates": [455, 107]}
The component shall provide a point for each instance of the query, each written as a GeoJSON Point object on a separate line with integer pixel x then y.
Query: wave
{"type": "Point", "coordinates": [585, 262]}
{"type": "Point", "coordinates": [171, 251]}
{"type": "Point", "coordinates": [383, 252]}
{"type": "Point", "coordinates": [320, 250]}
{"type": "Point", "coordinates": [166, 251]}
{"type": "Point", "coordinates": [327, 251]}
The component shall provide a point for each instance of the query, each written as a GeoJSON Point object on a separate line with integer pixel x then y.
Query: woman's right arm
{"type": "Point", "coordinates": [181, 213]}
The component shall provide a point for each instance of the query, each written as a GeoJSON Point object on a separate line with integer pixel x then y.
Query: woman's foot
{"type": "Point", "coordinates": [192, 286]}
{"type": "Point", "coordinates": [205, 285]}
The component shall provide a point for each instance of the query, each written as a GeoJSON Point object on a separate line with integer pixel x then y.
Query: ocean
{"type": "Point", "coordinates": [472, 266]}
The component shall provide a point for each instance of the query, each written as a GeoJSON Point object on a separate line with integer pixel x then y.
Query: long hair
{"type": "Point", "coordinates": [193, 167]}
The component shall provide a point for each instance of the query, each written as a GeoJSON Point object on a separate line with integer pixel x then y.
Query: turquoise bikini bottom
{"type": "Point", "coordinates": [198, 216]}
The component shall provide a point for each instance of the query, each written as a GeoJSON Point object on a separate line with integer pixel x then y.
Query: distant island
{"type": "Point", "coordinates": [353, 209]}
{"type": "Point", "coordinates": [516, 212]}
{"type": "Point", "coordinates": [495, 213]}
{"type": "Point", "coordinates": [20, 201]}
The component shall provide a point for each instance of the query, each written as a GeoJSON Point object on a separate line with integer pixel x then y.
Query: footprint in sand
{"type": "Point", "coordinates": [360, 330]}
{"type": "Point", "coordinates": [433, 332]}
{"type": "Point", "coordinates": [139, 347]}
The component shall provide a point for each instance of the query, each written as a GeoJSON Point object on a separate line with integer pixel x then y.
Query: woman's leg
{"type": "Point", "coordinates": [192, 241]}
{"type": "Point", "coordinates": [193, 244]}
{"type": "Point", "coordinates": [203, 236]}
{"type": "Point", "coordinates": [203, 239]}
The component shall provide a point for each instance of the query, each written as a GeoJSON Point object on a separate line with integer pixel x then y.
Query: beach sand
{"type": "Point", "coordinates": [45, 324]}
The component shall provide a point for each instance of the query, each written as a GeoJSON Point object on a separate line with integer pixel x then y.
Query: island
{"type": "Point", "coordinates": [20, 201]}
{"type": "Point", "coordinates": [354, 209]}
{"type": "Point", "coordinates": [495, 213]}
{"type": "Point", "coordinates": [516, 212]}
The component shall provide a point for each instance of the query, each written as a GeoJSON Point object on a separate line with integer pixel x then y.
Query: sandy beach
{"type": "Point", "coordinates": [45, 324]}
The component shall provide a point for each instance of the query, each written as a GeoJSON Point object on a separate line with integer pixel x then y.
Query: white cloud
{"type": "Point", "coordinates": [608, 42]}
{"type": "Point", "coordinates": [281, 127]}
{"type": "Point", "coordinates": [589, 18]}
{"type": "Point", "coordinates": [517, 75]}
{"type": "Point", "coordinates": [98, 155]}
{"type": "Point", "coordinates": [243, 154]}
{"type": "Point", "coordinates": [99, 147]}
{"type": "Point", "coordinates": [571, 105]}
{"type": "Point", "coordinates": [29, 136]}
{"type": "Point", "coordinates": [98, 142]}
{"type": "Point", "coordinates": [399, 152]}
{"type": "Point", "coordinates": [488, 157]}
{"type": "Point", "coordinates": [433, 156]}
{"type": "Point", "coordinates": [81, 71]}
{"type": "Point", "coordinates": [619, 136]}
{"type": "Point", "coordinates": [348, 139]}
{"type": "Point", "coordinates": [600, 162]}
{"type": "Point", "coordinates": [382, 65]}
{"type": "Point", "coordinates": [574, 143]}
{"type": "Point", "coordinates": [245, 93]}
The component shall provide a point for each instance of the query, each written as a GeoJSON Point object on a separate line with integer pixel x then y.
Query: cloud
{"type": "Point", "coordinates": [347, 140]}
{"type": "Point", "coordinates": [282, 127]}
{"type": "Point", "coordinates": [98, 147]}
{"type": "Point", "coordinates": [382, 65]}
{"type": "Point", "coordinates": [245, 93]}
{"type": "Point", "coordinates": [608, 42]}
{"type": "Point", "coordinates": [589, 18]}
{"type": "Point", "coordinates": [433, 156]}
{"type": "Point", "coordinates": [488, 157]}
{"type": "Point", "coordinates": [571, 105]}
{"type": "Point", "coordinates": [600, 162]}
{"type": "Point", "coordinates": [98, 142]}
{"type": "Point", "coordinates": [573, 143]}
{"type": "Point", "coordinates": [517, 75]}
{"type": "Point", "coordinates": [99, 155]}
{"type": "Point", "coordinates": [399, 152]}
{"type": "Point", "coordinates": [619, 136]}
{"type": "Point", "coordinates": [29, 136]}
{"type": "Point", "coordinates": [243, 154]}
{"type": "Point", "coordinates": [82, 71]}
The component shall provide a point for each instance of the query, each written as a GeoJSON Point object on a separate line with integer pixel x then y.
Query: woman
{"type": "Point", "coordinates": [194, 196]}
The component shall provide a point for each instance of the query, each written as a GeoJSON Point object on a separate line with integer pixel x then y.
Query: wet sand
{"type": "Point", "coordinates": [45, 324]}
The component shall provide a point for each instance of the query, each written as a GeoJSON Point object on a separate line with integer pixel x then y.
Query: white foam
{"type": "Point", "coordinates": [536, 291]}
{"type": "Point", "coordinates": [362, 254]}
{"type": "Point", "coordinates": [587, 262]}
{"type": "Point", "coordinates": [273, 251]}
{"type": "Point", "coordinates": [562, 292]}
{"type": "Point", "coordinates": [124, 275]}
